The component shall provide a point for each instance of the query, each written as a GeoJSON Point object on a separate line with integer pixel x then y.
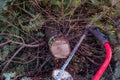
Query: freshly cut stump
{"type": "Point", "coordinates": [58, 44]}
{"type": "Point", "coordinates": [65, 76]}
{"type": "Point", "coordinates": [60, 48]}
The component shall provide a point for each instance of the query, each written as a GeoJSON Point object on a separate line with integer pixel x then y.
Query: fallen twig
{"type": "Point", "coordinates": [28, 45]}
{"type": "Point", "coordinates": [8, 62]}
{"type": "Point", "coordinates": [4, 43]}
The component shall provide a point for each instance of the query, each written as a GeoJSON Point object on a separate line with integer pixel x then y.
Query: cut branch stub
{"type": "Point", "coordinates": [58, 45]}
{"type": "Point", "coordinates": [65, 76]}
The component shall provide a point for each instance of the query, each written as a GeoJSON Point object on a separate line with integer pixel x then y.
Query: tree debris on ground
{"type": "Point", "coordinates": [24, 50]}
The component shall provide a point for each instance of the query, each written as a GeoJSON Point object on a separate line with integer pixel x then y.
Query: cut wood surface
{"type": "Point", "coordinates": [60, 48]}
{"type": "Point", "coordinates": [65, 76]}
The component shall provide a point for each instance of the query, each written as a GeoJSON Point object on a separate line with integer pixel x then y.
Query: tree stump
{"type": "Point", "coordinates": [58, 45]}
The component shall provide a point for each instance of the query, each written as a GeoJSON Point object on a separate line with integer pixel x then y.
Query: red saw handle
{"type": "Point", "coordinates": [102, 38]}
{"type": "Point", "coordinates": [106, 62]}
